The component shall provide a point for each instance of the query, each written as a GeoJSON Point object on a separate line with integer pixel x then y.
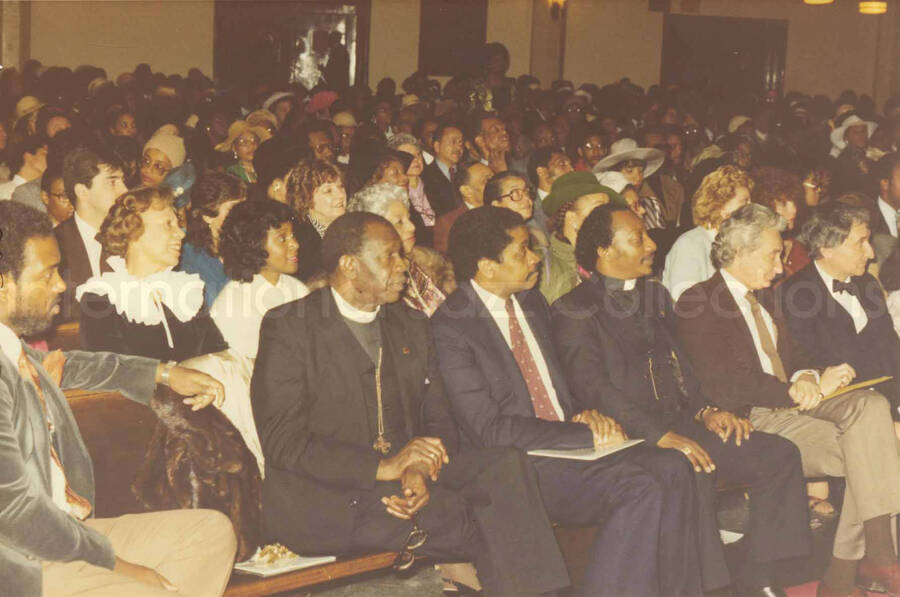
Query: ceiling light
{"type": "Point", "coordinates": [873, 8]}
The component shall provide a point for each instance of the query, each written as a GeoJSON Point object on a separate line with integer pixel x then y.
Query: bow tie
{"type": "Point", "coordinates": [838, 286]}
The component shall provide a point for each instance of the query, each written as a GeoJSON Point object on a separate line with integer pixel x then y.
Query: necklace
{"type": "Point", "coordinates": [381, 444]}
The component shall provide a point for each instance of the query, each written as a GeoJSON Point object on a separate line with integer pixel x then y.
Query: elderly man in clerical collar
{"type": "Point", "coordinates": [354, 424]}
{"type": "Point", "coordinates": [748, 360]}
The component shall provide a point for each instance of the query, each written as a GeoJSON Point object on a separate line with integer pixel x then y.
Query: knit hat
{"type": "Point", "coordinates": [171, 145]}
{"type": "Point", "coordinates": [571, 186]}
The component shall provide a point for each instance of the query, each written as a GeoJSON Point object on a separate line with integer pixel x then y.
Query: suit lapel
{"type": "Point", "coordinates": [732, 311]}
{"type": "Point", "coordinates": [831, 305]}
{"type": "Point", "coordinates": [29, 402]}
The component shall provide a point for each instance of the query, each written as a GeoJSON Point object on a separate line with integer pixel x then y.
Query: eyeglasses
{"type": "Point", "coordinates": [159, 167]}
{"type": "Point", "coordinates": [415, 540]}
{"type": "Point", "coordinates": [574, 108]}
{"type": "Point", "coordinates": [322, 148]}
{"type": "Point", "coordinates": [517, 194]}
{"type": "Point", "coordinates": [247, 141]}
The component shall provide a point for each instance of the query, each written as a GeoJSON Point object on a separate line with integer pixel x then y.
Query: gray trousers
{"type": "Point", "coordinates": [851, 436]}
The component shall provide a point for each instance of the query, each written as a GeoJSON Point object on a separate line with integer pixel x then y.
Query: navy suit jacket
{"type": "Point", "coordinates": [487, 393]}
{"type": "Point", "coordinates": [823, 326]}
{"type": "Point", "coordinates": [439, 190]}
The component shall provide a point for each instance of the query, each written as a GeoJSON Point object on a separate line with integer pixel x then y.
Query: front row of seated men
{"type": "Point", "coordinates": [383, 431]}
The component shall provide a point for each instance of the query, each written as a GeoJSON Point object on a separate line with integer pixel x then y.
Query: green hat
{"type": "Point", "coordinates": [571, 186]}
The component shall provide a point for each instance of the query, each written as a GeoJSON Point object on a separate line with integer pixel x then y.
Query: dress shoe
{"type": "Point", "coordinates": [770, 591]}
{"type": "Point", "coordinates": [824, 590]}
{"type": "Point", "coordinates": [878, 578]}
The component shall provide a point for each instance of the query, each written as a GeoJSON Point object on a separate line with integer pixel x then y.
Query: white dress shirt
{"type": "Point", "coordinates": [7, 188]}
{"type": "Point", "coordinates": [12, 349]}
{"type": "Point", "coordinates": [497, 308]}
{"type": "Point", "coordinates": [239, 308]}
{"type": "Point", "coordinates": [846, 300]}
{"type": "Point", "coordinates": [688, 261]}
{"type": "Point", "coordinates": [739, 292]}
{"type": "Point", "coordinates": [890, 216]}
{"type": "Point", "coordinates": [91, 244]}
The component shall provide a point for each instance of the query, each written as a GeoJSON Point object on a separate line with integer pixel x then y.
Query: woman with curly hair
{"type": "Point", "coordinates": [315, 189]}
{"type": "Point", "coordinates": [212, 197]}
{"type": "Point", "coordinates": [260, 255]}
{"type": "Point", "coordinates": [431, 279]}
{"type": "Point", "coordinates": [143, 307]}
{"type": "Point", "coordinates": [782, 192]}
{"type": "Point", "coordinates": [722, 192]}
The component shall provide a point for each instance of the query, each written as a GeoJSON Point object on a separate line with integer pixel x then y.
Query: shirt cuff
{"type": "Point", "coordinates": [812, 372]}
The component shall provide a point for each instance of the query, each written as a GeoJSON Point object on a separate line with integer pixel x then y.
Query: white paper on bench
{"type": "Point", "coordinates": [585, 453]}
{"type": "Point", "coordinates": [282, 566]}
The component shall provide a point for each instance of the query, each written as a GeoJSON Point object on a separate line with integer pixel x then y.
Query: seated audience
{"type": "Point", "coordinates": [782, 192]}
{"type": "Point", "coordinates": [260, 256]}
{"type": "Point", "coordinates": [425, 216]}
{"type": "Point", "coordinates": [591, 147]}
{"type": "Point", "coordinates": [273, 161]}
{"type": "Point", "coordinates": [364, 463]}
{"type": "Point", "coordinates": [93, 179]}
{"type": "Point", "coordinates": [50, 544]}
{"type": "Point", "coordinates": [836, 309]}
{"type": "Point", "coordinates": [315, 190]}
{"type": "Point", "coordinates": [572, 198]}
{"type": "Point", "coordinates": [637, 164]}
{"type": "Point", "coordinates": [29, 160]}
{"type": "Point", "coordinates": [54, 197]}
{"type": "Point", "coordinates": [887, 213]}
{"type": "Point", "coordinates": [242, 141]}
{"type": "Point", "coordinates": [212, 197]}
{"type": "Point", "coordinates": [723, 192]}
{"type": "Point", "coordinates": [545, 165]}
{"type": "Point", "coordinates": [616, 339]}
{"type": "Point", "coordinates": [469, 183]}
{"type": "Point", "coordinates": [506, 389]}
{"type": "Point", "coordinates": [770, 374]}
{"type": "Point", "coordinates": [429, 277]}
{"type": "Point", "coordinates": [438, 176]}
{"type": "Point", "coordinates": [162, 153]}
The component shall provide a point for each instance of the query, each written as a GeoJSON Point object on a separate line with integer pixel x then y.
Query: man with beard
{"type": "Point", "coordinates": [49, 545]}
{"type": "Point", "coordinates": [355, 426]}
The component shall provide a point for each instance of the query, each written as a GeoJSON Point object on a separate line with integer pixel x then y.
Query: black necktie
{"type": "Point", "coordinates": [838, 286]}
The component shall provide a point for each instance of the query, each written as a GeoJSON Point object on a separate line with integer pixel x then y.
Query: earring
{"type": "Point", "coordinates": [235, 154]}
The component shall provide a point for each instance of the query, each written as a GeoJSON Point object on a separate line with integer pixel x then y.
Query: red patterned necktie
{"type": "Point", "coordinates": [540, 398]}
{"type": "Point", "coordinates": [81, 508]}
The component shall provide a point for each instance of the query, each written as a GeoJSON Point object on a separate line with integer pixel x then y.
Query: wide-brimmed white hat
{"type": "Point", "coordinates": [627, 149]}
{"type": "Point", "coordinates": [837, 135]}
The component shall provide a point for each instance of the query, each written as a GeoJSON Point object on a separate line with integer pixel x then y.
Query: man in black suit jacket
{"type": "Point", "coordinates": [359, 443]}
{"type": "Point", "coordinates": [836, 309]}
{"type": "Point", "coordinates": [615, 335]}
{"type": "Point", "coordinates": [93, 180]}
{"type": "Point", "coordinates": [437, 176]}
{"type": "Point", "coordinates": [506, 389]}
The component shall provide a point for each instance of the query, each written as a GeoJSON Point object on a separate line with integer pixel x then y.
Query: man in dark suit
{"type": "Point", "coordinates": [837, 309]}
{"type": "Point", "coordinates": [93, 180]}
{"type": "Point", "coordinates": [506, 389]}
{"type": "Point", "coordinates": [747, 360]}
{"type": "Point", "coordinates": [356, 430]}
{"type": "Point", "coordinates": [469, 182]}
{"type": "Point", "coordinates": [886, 212]}
{"type": "Point", "coordinates": [50, 543]}
{"type": "Point", "coordinates": [615, 335]}
{"type": "Point", "coordinates": [438, 175]}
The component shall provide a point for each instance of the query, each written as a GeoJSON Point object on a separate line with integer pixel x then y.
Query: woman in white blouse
{"type": "Point", "coordinates": [258, 247]}
{"type": "Point", "coordinates": [722, 192]}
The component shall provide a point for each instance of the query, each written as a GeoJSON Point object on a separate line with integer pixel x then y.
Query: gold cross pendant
{"type": "Point", "coordinates": [382, 445]}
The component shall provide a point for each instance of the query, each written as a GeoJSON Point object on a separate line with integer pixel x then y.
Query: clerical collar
{"type": "Point", "coordinates": [616, 284]}
{"type": "Point", "coordinates": [350, 312]}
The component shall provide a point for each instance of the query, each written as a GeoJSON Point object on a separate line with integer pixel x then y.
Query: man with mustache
{"type": "Point", "coordinates": [49, 544]}
{"type": "Point", "coordinates": [506, 388]}
{"type": "Point", "coordinates": [616, 338]}
{"type": "Point", "coordinates": [361, 451]}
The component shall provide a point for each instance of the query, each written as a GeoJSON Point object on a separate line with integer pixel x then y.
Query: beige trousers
{"type": "Point", "coordinates": [851, 436]}
{"type": "Point", "coordinates": [193, 549]}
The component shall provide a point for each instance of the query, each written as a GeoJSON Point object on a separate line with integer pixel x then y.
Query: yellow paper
{"type": "Point", "coordinates": [856, 386]}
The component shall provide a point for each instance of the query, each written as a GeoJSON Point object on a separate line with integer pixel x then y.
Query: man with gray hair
{"type": "Point", "coordinates": [838, 309]}
{"type": "Point", "coordinates": [748, 360]}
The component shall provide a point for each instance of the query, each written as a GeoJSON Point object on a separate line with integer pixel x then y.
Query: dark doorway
{"type": "Point", "coordinates": [451, 36]}
{"type": "Point", "coordinates": [286, 42]}
{"type": "Point", "coordinates": [724, 57]}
